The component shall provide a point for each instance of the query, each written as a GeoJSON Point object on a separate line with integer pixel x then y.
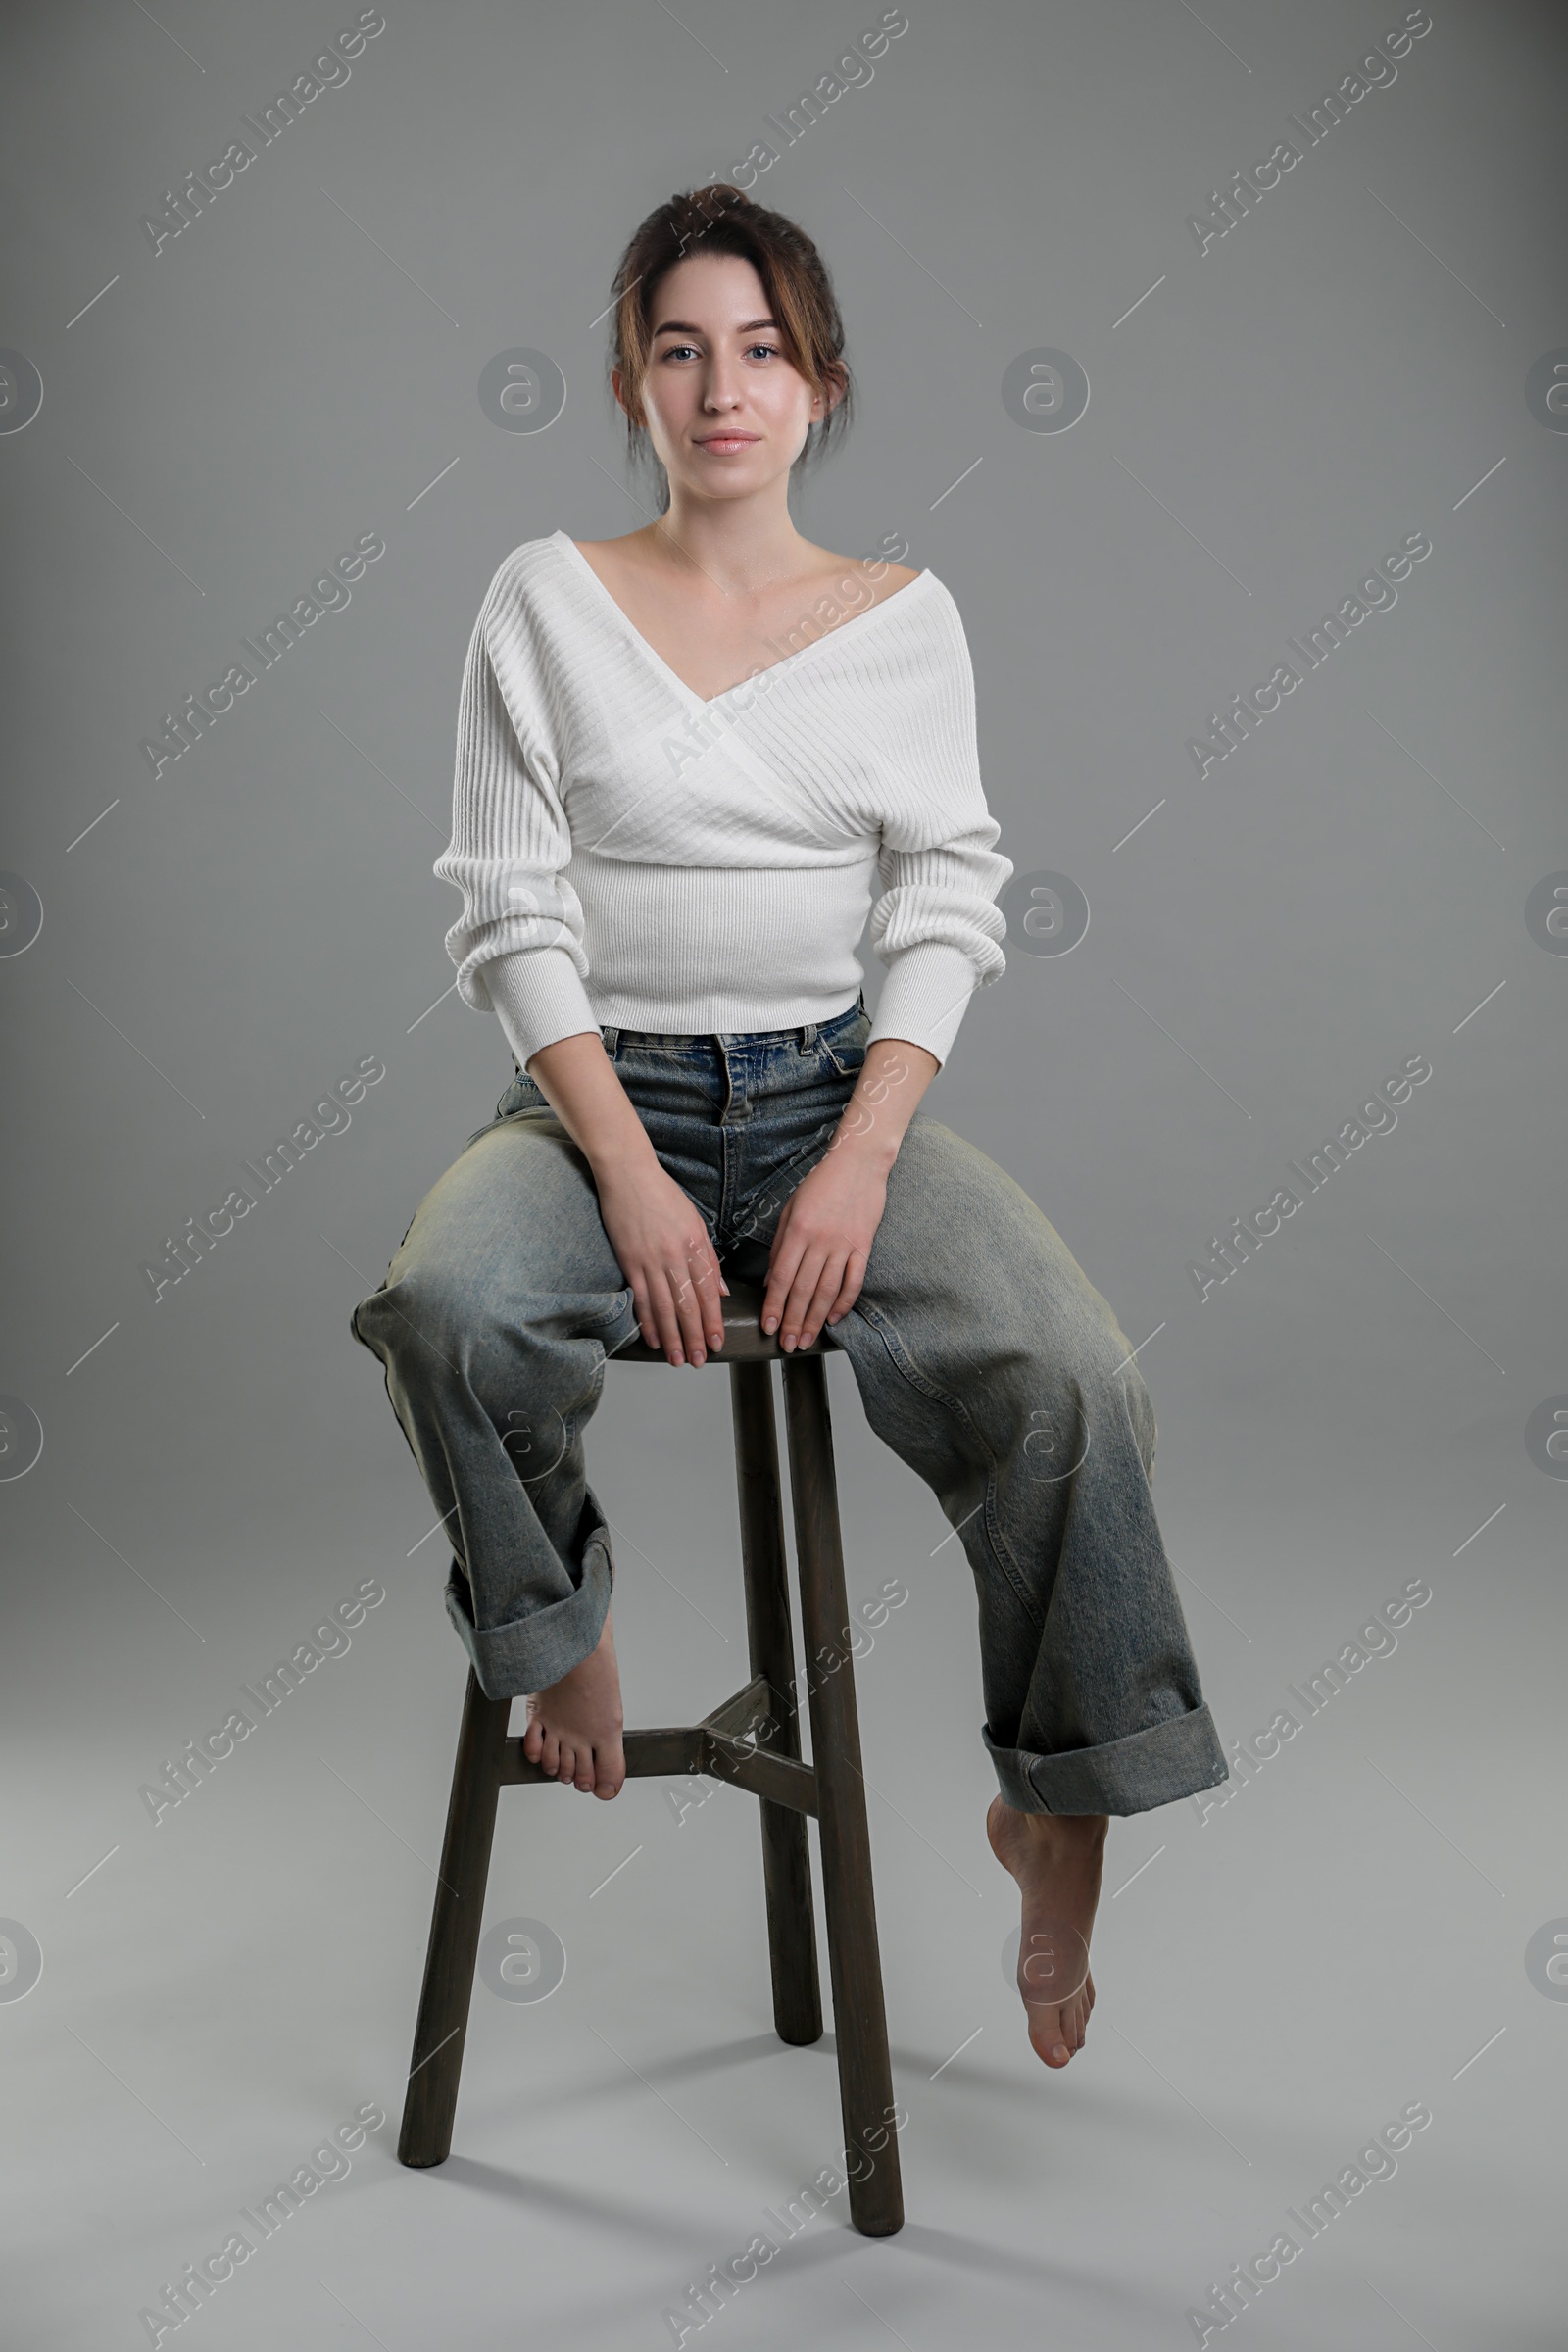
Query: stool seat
{"type": "Point", "coordinates": [745, 1339]}
{"type": "Point", "coordinates": [751, 1741]}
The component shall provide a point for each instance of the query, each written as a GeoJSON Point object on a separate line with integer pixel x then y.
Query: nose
{"type": "Point", "coordinates": [719, 388]}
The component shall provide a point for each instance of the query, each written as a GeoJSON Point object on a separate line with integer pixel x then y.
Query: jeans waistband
{"type": "Point", "coordinates": [804, 1036]}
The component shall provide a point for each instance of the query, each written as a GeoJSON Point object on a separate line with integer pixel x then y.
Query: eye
{"type": "Point", "coordinates": [676, 349]}
{"type": "Point", "coordinates": [771, 348]}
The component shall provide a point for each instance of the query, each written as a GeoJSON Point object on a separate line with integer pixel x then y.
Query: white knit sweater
{"type": "Point", "coordinates": [631, 854]}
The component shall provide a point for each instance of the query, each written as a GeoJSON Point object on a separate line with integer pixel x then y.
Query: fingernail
{"type": "Point", "coordinates": [696, 1356]}
{"type": "Point", "coordinates": [678, 1357]}
{"type": "Point", "coordinates": [771, 1322]}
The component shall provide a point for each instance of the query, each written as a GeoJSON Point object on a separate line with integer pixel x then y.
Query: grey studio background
{"type": "Point", "coordinates": [1020, 205]}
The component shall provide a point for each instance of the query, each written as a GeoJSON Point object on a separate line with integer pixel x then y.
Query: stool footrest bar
{"type": "Point", "coordinates": [676, 1748]}
{"type": "Point", "coordinates": [783, 1779]}
{"type": "Point", "coordinates": [746, 1711]}
{"type": "Point", "coordinates": [684, 1749]}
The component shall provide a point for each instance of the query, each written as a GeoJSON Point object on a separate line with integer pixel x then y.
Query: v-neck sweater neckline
{"type": "Point", "coordinates": [689, 694]}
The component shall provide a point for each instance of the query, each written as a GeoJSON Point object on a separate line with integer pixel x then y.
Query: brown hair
{"type": "Point", "coordinates": [722, 218]}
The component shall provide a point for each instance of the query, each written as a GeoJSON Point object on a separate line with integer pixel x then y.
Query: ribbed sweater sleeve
{"type": "Point", "coordinates": [509, 844]}
{"type": "Point", "coordinates": [936, 926]}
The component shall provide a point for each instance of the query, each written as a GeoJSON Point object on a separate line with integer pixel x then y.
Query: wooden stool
{"type": "Point", "coordinates": [726, 1745]}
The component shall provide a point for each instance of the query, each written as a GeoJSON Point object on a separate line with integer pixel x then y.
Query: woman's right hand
{"type": "Point", "coordinates": [665, 1254]}
{"type": "Point", "coordinates": [655, 1229]}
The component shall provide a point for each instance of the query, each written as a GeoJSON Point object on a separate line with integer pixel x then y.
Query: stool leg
{"type": "Point", "coordinates": [860, 2020]}
{"type": "Point", "coordinates": [786, 1858]}
{"type": "Point", "coordinates": [430, 2101]}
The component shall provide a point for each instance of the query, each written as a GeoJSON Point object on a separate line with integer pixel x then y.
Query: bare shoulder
{"type": "Point", "coordinates": [855, 584]}
{"type": "Point", "coordinates": [611, 558]}
{"type": "Point", "coordinates": [884, 579]}
{"type": "Point", "coordinates": [639, 555]}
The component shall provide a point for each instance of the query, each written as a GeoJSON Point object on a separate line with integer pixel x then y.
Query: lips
{"type": "Point", "coordinates": [725, 441]}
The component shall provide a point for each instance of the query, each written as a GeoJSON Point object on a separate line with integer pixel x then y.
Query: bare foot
{"type": "Point", "coordinates": [1056, 1858]}
{"type": "Point", "coordinates": [574, 1725]}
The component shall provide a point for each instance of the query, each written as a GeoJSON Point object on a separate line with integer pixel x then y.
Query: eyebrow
{"type": "Point", "coordinates": [684, 327]}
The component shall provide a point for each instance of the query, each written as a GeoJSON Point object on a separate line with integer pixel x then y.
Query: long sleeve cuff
{"type": "Point", "coordinates": [925, 997]}
{"type": "Point", "coordinates": [537, 996]}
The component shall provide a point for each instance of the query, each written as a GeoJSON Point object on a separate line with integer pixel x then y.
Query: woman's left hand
{"type": "Point", "coordinates": [824, 1242]}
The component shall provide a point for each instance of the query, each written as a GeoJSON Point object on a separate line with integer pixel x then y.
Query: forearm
{"type": "Point", "coordinates": [895, 1075]}
{"type": "Point", "coordinates": [578, 1081]}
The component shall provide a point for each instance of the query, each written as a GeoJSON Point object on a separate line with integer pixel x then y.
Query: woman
{"type": "Point", "coordinates": [684, 757]}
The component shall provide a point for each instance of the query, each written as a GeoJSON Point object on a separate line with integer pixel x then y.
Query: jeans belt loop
{"type": "Point", "coordinates": [611, 1038]}
{"type": "Point", "coordinates": [808, 1037]}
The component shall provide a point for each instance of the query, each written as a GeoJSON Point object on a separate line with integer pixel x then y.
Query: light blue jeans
{"type": "Point", "coordinates": [982, 1354]}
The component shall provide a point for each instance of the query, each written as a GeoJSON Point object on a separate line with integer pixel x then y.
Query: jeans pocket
{"type": "Point", "coordinates": [523, 1094]}
{"type": "Point", "coordinates": [844, 1044]}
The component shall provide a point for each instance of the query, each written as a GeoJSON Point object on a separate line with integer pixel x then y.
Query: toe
{"type": "Point", "coordinates": [1048, 2033]}
{"type": "Point", "coordinates": [567, 1767]}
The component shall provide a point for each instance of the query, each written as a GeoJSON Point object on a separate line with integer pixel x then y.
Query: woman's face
{"type": "Point", "coordinates": [727, 412]}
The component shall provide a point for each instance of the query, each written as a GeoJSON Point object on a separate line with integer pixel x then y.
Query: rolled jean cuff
{"type": "Point", "coordinates": [512, 1661]}
{"type": "Point", "coordinates": [1154, 1767]}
